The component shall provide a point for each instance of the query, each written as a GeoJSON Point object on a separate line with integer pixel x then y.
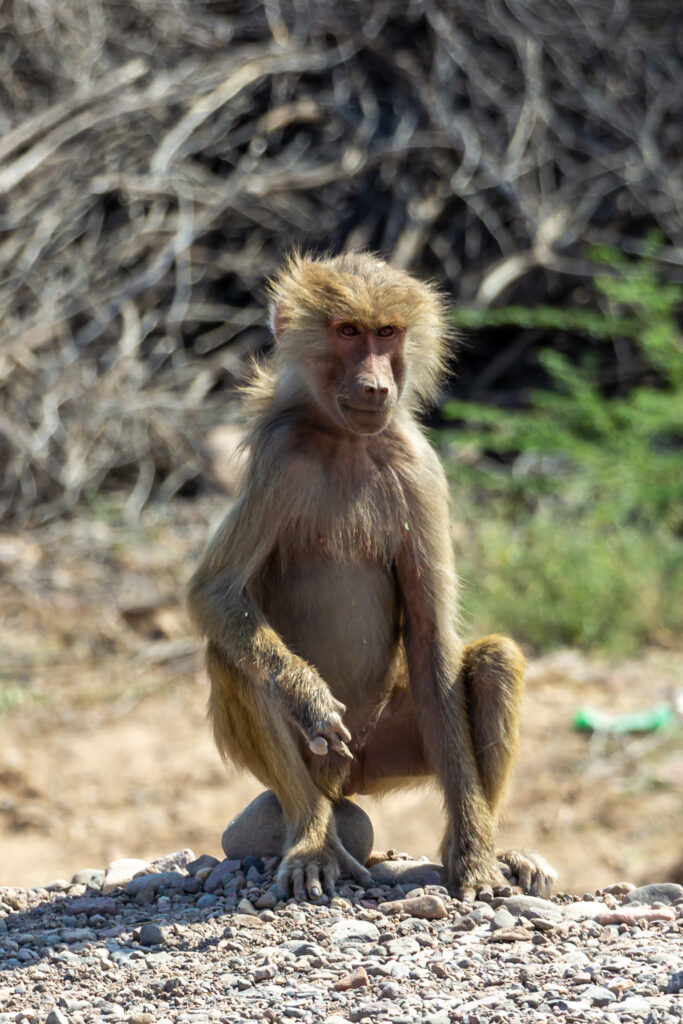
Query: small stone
{"type": "Point", "coordinates": [336, 1019]}
{"type": "Point", "coordinates": [245, 907]}
{"type": "Point", "coordinates": [429, 908]}
{"type": "Point", "coordinates": [152, 935]}
{"type": "Point", "coordinates": [532, 906]}
{"type": "Point", "coordinates": [355, 979]}
{"type": "Point", "coordinates": [438, 1018]}
{"type": "Point", "coordinates": [408, 873]}
{"type": "Point", "coordinates": [93, 905]}
{"type": "Point", "coordinates": [390, 991]}
{"type": "Point", "coordinates": [542, 924]}
{"type": "Point", "coordinates": [598, 995]}
{"type": "Point", "coordinates": [258, 831]}
{"type": "Point", "coordinates": [634, 1004]}
{"type": "Point", "coordinates": [88, 876]}
{"type": "Point", "coordinates": [404, 946]}
{"type": "Point", "coordinates": [247, 921]}
{"type": "Point", "coordinates": [582, 910]}
{"type": "Point", "coordinates": [163, 880]}
{"type": "Point", "coordinates": [619, 888]}
{"type": "Point", "coordinates": [140, 1017]}
{"type": "Point", "coordinates": [120, 872]}
{"type": "Point", "coordinates": [502, 919]}
{"type": "Point", "coordinates": [57, 885]}
{"type": "Point", "coordinates": [179, 859]}
{"type": "Point", "coordinates": [202, 863]}
{"type": "Point", "coordinates": [656, 892]}
{"type": "Point", "coordinates": [220, 873]}
{"type": "Point", "coordinates": [267, 900]}
{"type": "Point", "coordinates": [510, 935]}
{"type": "Point", "coordinates": [347, 932]}
{"type": "Point", "coordinates": [632, 915]}
{"type": "Point", "coordinates": [56, 1016]}
{"type": "Point", "coordinates": [207, 899]}
{"type": "Point", "coordinates": [675, 983]}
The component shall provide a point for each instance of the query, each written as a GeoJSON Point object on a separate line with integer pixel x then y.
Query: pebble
{"type": "Point", "coordinates": [349, 931]}
{"type": "Point", "coordinates": [163, 880]}
{"type": "Point", "coordinates": [180, 859]}
{"type": "Point", "coordinates": [120, 872]}
{"type": "Point", "coordinates": [502, 919]}
{"type": "Point", "coordinates": [429, 908]}
{"type": "Point", "coordinates": [407, 873]}
{"type": "Point", "coordinates": [229, 957]}
{"type": "Point", "coordinates": [657, 892]}
{"type": "Point", "coordinates": [221, 873]}
{"type": "Point", "coordinates": [598, 995]}
{"type": "Point", "coordinates": [152, 935]}
{"type": "Point", "coordinates": [355, 979]}
{"type": "Point", "coordinates": [56, 1016]}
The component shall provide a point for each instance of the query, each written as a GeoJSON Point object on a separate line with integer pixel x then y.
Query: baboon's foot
{"type": "Point", "coordinates": [529, 870]}
{"type": "Point", "coordinates": [307, 872]}
{"type": "Point", "coordinates": [259, 829]}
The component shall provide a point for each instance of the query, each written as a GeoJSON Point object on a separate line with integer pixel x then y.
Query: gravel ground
{"type": "Point", "coordinates": [191, 940]}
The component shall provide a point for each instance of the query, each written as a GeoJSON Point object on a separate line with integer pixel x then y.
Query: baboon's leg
{"type": "Point", "coordinates": [393, 755]}
{"type": "Point", "coordinates": [250, 729]}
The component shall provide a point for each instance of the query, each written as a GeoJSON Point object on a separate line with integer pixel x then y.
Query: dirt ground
{"type": "Point", "coordinates": [105, 750]}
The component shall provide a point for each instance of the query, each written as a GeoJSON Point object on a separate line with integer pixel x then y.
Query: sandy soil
{"type": "Point", "coordinates": [105, 750]}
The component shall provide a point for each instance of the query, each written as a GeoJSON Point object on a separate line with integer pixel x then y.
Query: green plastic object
{"type": "Point", "coordinates": [590, 720]}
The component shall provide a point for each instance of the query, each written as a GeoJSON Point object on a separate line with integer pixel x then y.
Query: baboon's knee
{"type": "Point", "coordinates": [494, 673]}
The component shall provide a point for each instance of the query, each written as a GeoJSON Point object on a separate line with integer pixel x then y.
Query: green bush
{"type": "Point", "coordinates": [575, 505]}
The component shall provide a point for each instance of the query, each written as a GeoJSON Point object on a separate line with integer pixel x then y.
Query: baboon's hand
{"type": "Point", "coordinates": [320, 720]}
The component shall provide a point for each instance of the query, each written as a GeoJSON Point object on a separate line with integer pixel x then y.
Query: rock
{"type": "Point", "coordinates": [675, 982]}
{"type": "Point", "coordinates": [179, 859]}
{"type": "Point", "coordinates": [404, 946]}
{"type": "Point", "coordinates": [355, 979]}
{"type": "Point", "coordinates": [532, 906]}
{"type": "Point", "coordinates": [88, 876]}
{"type": "Point", "coordinates": [633, 915]}
{"type": "Point", "coordinates": [634, 1004]}
{"type": "Point", "coordinates": [407, 872]}
{"type": "Point", "coordinates": [259, 830]}
{"type": "Point", "coordinates": [247, 921]}
{"type": "Point", "coordinates": [202, 863]}
{"type": "Point", "coordinates": [56, 885]}
{"type": "Point", "coordinates": [347, 932]}
{"type": "Point", "coordinates": [267, 900]}
{"type": "Point", "coordinates": [164, 880]}
{"type": "Point", "coordinates": [120, 872]}
{"type": "Point", "coordinates": [598, 995]}
{"type": "Point", "coordinates": [152, 935]}
{"type": "Point", "coordinates": [207, 899]}
{"type": "Point", "coordinates": [93, 905]}
{"type": "Point", "coordinates": [510, 935]}
{"type": "Point", "coordinates": [619, 888]}
{"type": "Point", "coordinates": [438, 1018]}
{"type": "Point", "coordinates": [656, 892]}
{"type": "Point", "coordinates": [245, 907]}
{"type": "Point", "coordinates": [390, 991]}
{"type": "Point", "coordinates": [56, 1016]}
{"type": "Point", "coordinates": [502, 919]}
{"type": "Point", "coordinates": [583, 910]}
{"type": "Point", "coordinates": [221, 874]}
{"type": "Point", "coordinates": [430, 908]}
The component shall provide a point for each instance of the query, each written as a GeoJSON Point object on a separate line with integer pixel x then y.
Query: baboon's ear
{"type": "Point", "coordinates": [277, 320]}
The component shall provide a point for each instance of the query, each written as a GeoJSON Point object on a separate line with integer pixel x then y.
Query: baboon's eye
{"type": "Point", "coordinates": [348, 330]}
{"type": "Point", "coordinates": [386, 332]}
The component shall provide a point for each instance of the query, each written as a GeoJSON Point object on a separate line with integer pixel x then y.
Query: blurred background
{"type": "Point", "coordinates": [157, 158]}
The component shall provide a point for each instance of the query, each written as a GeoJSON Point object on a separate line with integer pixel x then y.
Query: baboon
{"type": "Point", "coordinates": [328, 595]}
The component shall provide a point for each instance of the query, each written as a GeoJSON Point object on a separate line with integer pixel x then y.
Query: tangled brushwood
{"type": "Point", "coordinates": [157, 158]}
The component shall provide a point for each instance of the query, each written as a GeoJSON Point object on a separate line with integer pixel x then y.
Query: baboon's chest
{"type": "Point", "coordinates": [342, 617]}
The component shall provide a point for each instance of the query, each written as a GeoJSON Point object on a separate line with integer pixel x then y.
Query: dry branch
{"type": "Point", "coordinates": [157, 158]}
